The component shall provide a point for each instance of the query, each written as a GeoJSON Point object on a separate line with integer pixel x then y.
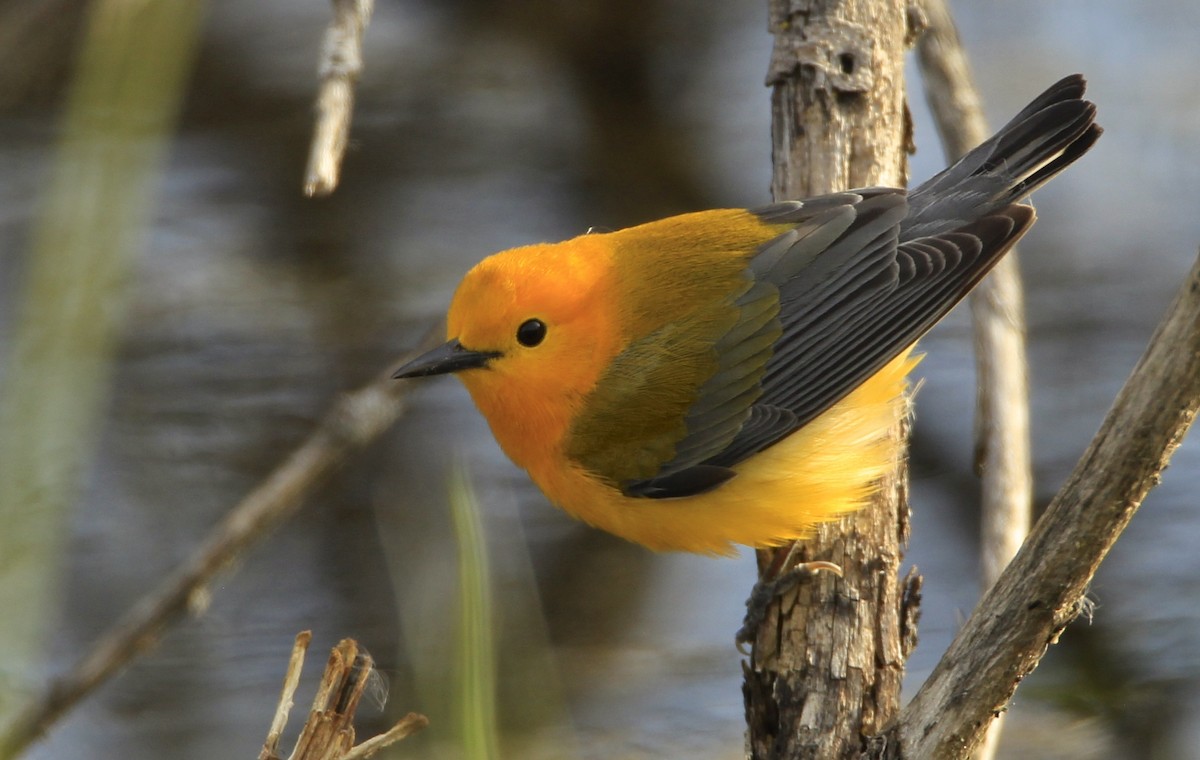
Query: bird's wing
{"type": "Point", "coordinates": [836, 297]}
{"type": "Point", "coordinates": [835, 262]}
{"type": "Point", "coordinates": [826, 304]}
{"type": "Point", "coordinates": [845, 324]}
{"type": "Point", "coordinates": [678, 395]}
{"type": "Point", "coordinates": [673, 401]}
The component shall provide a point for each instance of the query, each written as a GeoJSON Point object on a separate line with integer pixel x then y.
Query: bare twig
{"type": "Point", "coordinates": [328, 734]}
{"type": "Point", "coordinates": [1002, 418]}
{"type": "Point", "coordinates": [408, 725]}
{"type": "Point", "coordinates": [1042, 589]}
{"type": "Point", "coordinates": [1002, 446]}
{"type": "Point", "coordinates": [355, 420]}
{"type": "Point", "coordinates": [291, 680]}
{"type": "Point", "coordinates": [341, 64]}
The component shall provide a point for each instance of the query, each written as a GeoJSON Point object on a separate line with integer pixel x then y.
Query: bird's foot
{"type": "Point", "coordinates": [767, 589]}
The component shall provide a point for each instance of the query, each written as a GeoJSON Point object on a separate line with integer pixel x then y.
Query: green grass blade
{"type": "Point", "coordinates": [476, 662]}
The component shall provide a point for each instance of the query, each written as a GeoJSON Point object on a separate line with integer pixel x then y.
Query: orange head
{"type": "Point", "coordinates": [530, 330]}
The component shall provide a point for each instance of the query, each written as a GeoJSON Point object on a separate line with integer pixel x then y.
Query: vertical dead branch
{"type": "Point", "coordinates": [827, 663]}
{"type": "Point", "coordinates": [997, 307]}
{"type": "Point", "coordinates": [997, 310]}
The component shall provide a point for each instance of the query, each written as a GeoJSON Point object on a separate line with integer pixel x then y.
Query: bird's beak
{"type": "Point", "coordinates": [449, 357]}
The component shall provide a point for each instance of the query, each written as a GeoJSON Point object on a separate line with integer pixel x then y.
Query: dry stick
{"type": "Point", "coordinates": [287, 696]}
{"type": "Point", "coordinates": [328, 733]}
{"type": "Point", "coordinates": [407, 726]}
{"type": "Point", "coordinates": [355, 420]}
{"type": "Point", "coordinates": [997, 309]}
{"type": "Point", "coordinates": [1043, 588]}
{"type": "Point", "coordinates": [1002, 447]}
{"type": "Point", "coordinates": [341, 63]}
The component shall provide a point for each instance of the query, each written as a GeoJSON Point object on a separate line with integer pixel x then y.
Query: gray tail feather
{"type": "Point", "coordinates": [1039, 142]}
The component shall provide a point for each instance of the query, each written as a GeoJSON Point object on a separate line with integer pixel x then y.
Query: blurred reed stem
{"type": "Point", "coordinates": [476, 659]}
{"type": "Point", "coordinates": [119, 115]}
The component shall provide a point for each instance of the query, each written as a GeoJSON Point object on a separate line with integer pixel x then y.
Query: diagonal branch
{"type": "Point", "coordinates": [357, 419]}
{"type": "Point", "coordinates": [1043, 589]}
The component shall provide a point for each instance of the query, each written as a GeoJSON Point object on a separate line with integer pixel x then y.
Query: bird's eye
{"type": "Point", "coordinates": [531, 332]}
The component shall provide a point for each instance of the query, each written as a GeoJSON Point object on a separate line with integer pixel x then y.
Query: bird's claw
{"type": "Point", "coordinates": [765, 591]}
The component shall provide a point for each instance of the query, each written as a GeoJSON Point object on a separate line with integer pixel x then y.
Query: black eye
{"type": "Point", "coordinates": [531, 332]}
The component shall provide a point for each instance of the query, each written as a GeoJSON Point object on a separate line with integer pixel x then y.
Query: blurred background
{"type": "Point", "coordinates": [246, 308]}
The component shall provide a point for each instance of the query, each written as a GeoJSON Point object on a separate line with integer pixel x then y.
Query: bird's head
{"type": "Point", "coordinates": [529, 332]}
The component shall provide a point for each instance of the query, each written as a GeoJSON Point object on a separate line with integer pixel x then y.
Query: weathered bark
{"type": "Point", "coordinates": [328, 734]}
{"type": "Point", "coordinates": [827, 663]}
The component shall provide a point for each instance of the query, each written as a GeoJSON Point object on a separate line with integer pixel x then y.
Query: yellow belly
{"type": "Point", "coordinates": [824, 470]}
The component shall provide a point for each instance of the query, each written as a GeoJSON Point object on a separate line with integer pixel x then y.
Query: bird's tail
{"type": "Point", "coordinates": [1043, 139]}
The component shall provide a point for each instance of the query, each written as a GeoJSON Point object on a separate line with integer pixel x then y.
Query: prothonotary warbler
{"type": "Point", "coordinates": [731, 376]}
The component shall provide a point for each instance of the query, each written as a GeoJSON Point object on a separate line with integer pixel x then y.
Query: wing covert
{"type": "Point", "coordinates": [847, 328]}
{"type": "Point", "coordinates": [729, 410]}
{"type": "Point", "coordinates": [823, 306]}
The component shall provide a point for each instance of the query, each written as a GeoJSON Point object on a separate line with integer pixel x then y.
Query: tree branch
{"type": "Point", "coordinates": [997, 309]}
{"type": "Point", "coordinates": [828, 660]}
{"type": "Point", "coordinates": [1043, 588]}
{"type": "Point", "coordinates": [341, 63]}
{"type": "Point", "coordinates": [354, 421]}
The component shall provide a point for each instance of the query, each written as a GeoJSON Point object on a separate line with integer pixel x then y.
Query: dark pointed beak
{"type": "Point", "coordinates": [450, 357]}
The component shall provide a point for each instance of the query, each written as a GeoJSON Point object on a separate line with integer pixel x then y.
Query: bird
{"type": "Point", "coordinates": [730, 377]}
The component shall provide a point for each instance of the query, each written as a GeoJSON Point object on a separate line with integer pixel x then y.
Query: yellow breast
{"type": "Point", "coordinates": [826, 469]}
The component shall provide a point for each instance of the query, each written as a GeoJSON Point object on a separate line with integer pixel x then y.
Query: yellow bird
{"type": "Point", "coordinates": [731, 376]}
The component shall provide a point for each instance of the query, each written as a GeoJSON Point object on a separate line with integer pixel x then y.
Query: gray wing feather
{"type": "Point", "coordinates": [813, 369]}
{"type": "Point", "coordinates": [860, 277]}
{"type": "Point", "coordinates": [829, 231]}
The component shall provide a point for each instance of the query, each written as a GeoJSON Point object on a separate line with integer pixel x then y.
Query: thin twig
{"type": "Point", "coordinates": [1042, 589]}
{"type": "Point", "coordinates": [1002, 448]}
{"type": "Point", "coordinates": [355, 420]}
{"type": "Point", "coordinates": [328, 733]}
{"type": "Point", "coordinates": [408, 725]}
{"type": "Point", "coordinates": [291, 680]}
{"type": "Point", "coordinates": [341, 64]}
